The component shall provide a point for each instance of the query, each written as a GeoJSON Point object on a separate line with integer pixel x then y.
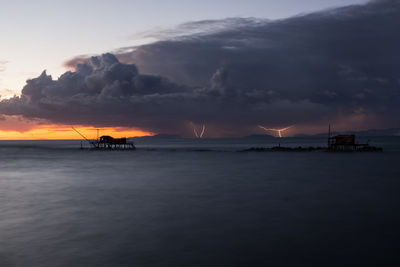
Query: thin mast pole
{"type": "Point", "coordinates": [90, 142]}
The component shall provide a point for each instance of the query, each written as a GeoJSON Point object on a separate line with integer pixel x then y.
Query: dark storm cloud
{"type": "Point", "coordinates": [198, 28]}
{"type": "Point", "coordinates": [305, 69]}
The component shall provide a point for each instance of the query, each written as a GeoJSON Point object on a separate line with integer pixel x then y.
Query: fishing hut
{"type": "Point", "coordinates": [106, 142]}
{"type": "Point", "coordinates": [347, 143]}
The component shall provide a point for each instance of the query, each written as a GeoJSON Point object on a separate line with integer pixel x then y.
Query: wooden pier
{"type": "Point", "coordinates": [106, 142]}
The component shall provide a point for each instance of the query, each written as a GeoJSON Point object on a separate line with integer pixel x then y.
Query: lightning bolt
{"type": "Point", "coordinates": [196, 134]}
{"type": "Point", "coordinates": [202, 131]}
{"type": "Point", "coordinates": [194, 130]}
{"type": "Point", "coordinates": [276, 130]}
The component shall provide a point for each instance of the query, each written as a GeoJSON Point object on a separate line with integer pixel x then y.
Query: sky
{"type": "Point", "coordinates": [41, 35]}
{"type": "Point", "coordinates": [225, 62]}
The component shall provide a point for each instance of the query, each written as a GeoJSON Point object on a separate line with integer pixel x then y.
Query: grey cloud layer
{"type": "Point", "coordinates": [105, 92]}
{"type": "Point", "coordinates": [305, 69]}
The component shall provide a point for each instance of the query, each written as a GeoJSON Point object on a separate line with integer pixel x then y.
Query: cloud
{"type": "Point", "coordinates": [309, 69]}
{"type": "Point", "coordinates": [197, 28]}
{"type": "Point", "coordinates": [2, 69]}
{"type": "Point", "coordinates": [3, 65]}
{"type": "Point", "coordinates": [105, 92]}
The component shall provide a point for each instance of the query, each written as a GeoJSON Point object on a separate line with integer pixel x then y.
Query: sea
{"type": "Point", "coordinates": [199, 202]}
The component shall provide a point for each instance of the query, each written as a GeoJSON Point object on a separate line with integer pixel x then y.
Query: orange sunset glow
{"type": "Point", "coordinates": [57, 132]}
{"type": "Point", "coordinates": [18, 128]}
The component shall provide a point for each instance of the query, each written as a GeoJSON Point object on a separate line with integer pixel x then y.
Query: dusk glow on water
{"type": "Point", "coordinates": [170, 204]}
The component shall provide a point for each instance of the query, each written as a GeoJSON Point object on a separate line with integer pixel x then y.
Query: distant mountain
{"type": "Point", "coordinates": [160, 136]}
{"type": "Point", "coordinates": [259, 136]}
{"type": "Point", "coordinates": [375, 132]}
{"type": "Point", "coordinates": [372, 132]}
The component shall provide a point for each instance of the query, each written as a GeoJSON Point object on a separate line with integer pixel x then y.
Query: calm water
{"type": "Point", "coordinates": [198, 203]}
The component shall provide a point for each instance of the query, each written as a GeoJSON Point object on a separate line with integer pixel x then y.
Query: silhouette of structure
{"type": "Point", "coordinates": [338, 143]}
{"type": "Point", "coordinates": [108, 142]}
{"type": "Point", "coordinates": [347, 143]}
